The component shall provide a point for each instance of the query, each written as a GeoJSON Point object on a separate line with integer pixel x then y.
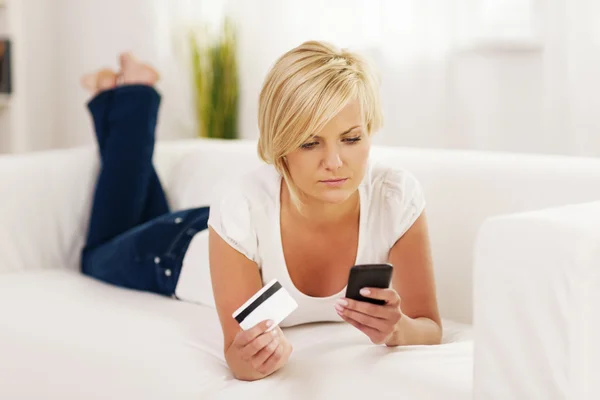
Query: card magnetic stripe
{"type": "Point", "coordinates": [258, 301]}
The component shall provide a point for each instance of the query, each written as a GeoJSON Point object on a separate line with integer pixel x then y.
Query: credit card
{"type": "Point", "coordinates": [271, 302]}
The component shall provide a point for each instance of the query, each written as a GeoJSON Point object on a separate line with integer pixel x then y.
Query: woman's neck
{"type": "Point", "coordinates": [319, 214]}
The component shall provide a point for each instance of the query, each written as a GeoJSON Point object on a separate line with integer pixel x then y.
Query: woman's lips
{"type": "Point", "coordinates": [334, 182]}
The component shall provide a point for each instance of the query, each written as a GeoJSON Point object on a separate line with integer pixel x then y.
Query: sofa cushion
{"type": "Point", "coordinates": [74, 337]}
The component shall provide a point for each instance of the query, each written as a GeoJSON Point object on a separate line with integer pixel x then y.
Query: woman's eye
{"type": "Point", "coordinates": [352, 140]}
{"type": "Point", "coordinates": [312, 145]}
{"type": "Point", "coordinates": [309, 145]}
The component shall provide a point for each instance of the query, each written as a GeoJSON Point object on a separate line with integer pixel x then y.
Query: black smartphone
{"type": "Point", "coordinates": [368, 275]}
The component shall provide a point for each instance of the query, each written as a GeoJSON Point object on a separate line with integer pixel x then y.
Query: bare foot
{"type": "Point", "coordinates": [98, 81]}
{"type": "Point", "coordinates": [134, 72]}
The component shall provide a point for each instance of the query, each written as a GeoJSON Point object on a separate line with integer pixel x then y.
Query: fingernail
{"type": "Point", "coordinates": [365, 292]}
{"type": "Point", "coordinates": [269, 323]}
{"type": "Point", "coordinates": [342, 302]}
{"type": "Point", "coordinates": [274, 332]}
{"type": "Point", "coordinates": [338, 308]}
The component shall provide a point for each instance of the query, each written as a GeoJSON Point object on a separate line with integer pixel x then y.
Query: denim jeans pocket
{"type": "Point", "coordinates": [169, 235]}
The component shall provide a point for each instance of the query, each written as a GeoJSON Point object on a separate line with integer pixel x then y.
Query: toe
{"type": "Point", "coordinates": [89, 81]}
{"type": "Point", "coordinates": [106, 79]}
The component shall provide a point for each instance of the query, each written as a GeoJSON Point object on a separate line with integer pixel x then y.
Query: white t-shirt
{"type": "Point", "coordinates": [247, 217]}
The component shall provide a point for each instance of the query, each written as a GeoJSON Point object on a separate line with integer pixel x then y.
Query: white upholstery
{"type": "Point", "coordinates": [537, 295]}
{"type": "Point", "coordinates": [66, 336]}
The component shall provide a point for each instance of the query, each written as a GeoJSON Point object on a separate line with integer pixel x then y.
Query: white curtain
{"type": "Point", "coordinates": [506, 75]}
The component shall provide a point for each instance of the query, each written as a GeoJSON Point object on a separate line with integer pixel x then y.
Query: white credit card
{"type": "Point", "coordinates": [271, 302]}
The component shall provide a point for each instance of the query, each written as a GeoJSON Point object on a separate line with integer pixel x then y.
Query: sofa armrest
{"type": "Point", "coordinates": [536, 305]}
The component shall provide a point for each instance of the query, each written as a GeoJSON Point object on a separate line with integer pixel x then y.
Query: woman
{"type": "Point", "coordinates": [318, 207]}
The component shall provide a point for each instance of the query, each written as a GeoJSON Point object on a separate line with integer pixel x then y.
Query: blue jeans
{"type": "Point", "coordinates": [133, 240]}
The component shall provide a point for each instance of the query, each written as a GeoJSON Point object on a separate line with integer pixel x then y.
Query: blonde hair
{"type": "Point", "coordinates": [304, 90]}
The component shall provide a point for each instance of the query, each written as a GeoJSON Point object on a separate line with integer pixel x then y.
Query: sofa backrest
{"type": "Point", "coordinates": [46, 198]}
{"type": "Point", "coordinates": [462, 189]}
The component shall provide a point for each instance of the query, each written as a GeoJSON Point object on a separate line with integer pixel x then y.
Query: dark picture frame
{"type": "Point", "coordinates": [5, 66]}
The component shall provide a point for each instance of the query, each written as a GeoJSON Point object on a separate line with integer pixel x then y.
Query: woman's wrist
{"type": "Point", "coordinates": [415, 331]}
{"type": "Point", "coordinates": [398, 337]}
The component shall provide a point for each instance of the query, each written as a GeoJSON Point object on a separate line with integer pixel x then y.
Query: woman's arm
{"type": "Point", "coordinates": [413, 280]}
{"type": "Point", "coordinates": [251, 354]}
{"type": "Point", "coordinates": [410, 314]}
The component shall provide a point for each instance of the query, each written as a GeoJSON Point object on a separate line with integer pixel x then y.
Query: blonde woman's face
{"type": "Point", "coordinates": [329, 166]}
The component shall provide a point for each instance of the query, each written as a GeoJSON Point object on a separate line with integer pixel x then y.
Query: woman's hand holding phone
{"type": "Point", "coordinates": [379, 322]}
{"type": "Point", "coordinates": [370, 304]}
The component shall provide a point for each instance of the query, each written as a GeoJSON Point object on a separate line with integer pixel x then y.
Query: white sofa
{"type": "Point", "coordinates": [66, 336]}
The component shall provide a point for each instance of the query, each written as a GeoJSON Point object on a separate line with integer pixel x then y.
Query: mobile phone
{"type": "Point", "coordinates": [368, 275]}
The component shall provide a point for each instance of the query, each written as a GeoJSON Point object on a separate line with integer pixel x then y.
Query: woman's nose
{"type": "Point", "coordinates": [332, 159]}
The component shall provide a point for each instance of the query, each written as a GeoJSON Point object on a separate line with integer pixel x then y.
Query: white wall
{"type": "Point", "coordinates": [436, 93]}
{"type": "Point", "coordinates": [91, 34]}
{"type": "Point", "coordinates": [445, 84]}
{"type": "Point", "coordinates": [36, 51]}
{"type": "Point", "coordinates": [57, 41]}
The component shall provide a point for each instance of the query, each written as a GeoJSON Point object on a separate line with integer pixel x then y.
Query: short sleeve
{"type": "Point", "coordinates": [404, 202]}
{"type": "Point", "coordinates": [230, 216]}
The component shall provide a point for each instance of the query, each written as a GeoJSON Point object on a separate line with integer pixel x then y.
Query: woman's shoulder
{"type": "Point", "coordinates": [239, 208]}
{"type": "Point", "coordinates": [396, 198]}
{"type": "Point", "coordinates": [391, 180]}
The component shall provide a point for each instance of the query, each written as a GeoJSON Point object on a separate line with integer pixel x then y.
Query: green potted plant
{"type": "Point", "coordinates": [215, 78]}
